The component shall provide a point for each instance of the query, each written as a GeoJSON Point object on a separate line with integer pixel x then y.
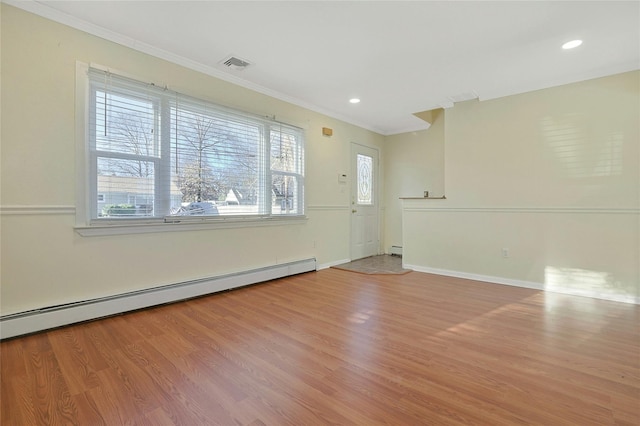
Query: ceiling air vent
{"type": "Point", "coordinates": [235, 63]}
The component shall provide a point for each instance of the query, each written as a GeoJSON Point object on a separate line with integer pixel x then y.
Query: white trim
{"type": "Point", "coordinates": [36, 210]}
{"type": "Point", "coordinates": [520, 283]}
{"type": "Point", "coordinates": [327, 207]}
{"type": "Point", "coordinates": [334, 263]}
{"type": "Point", "coordinates": [570, 210]}
{"type": "Point", "coordinates": [186, 225]}
{"type": "Point", "coordinates": [56, 316]}
{"type": "Point", "coordinates": [83, 198]}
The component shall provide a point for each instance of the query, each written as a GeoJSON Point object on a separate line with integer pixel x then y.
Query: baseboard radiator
{"type": "Point", "coordinates": [55, 316]}
{"type": "Point", "coordinates": [396, 251]}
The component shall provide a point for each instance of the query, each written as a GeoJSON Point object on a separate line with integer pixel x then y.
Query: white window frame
{"type": "Point", "coordinates": [87, 222]}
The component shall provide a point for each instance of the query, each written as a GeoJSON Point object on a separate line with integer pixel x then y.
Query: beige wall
{"type": "Point", "coordinates": [414, 163]}
{"type": "Point", "coordinates": [551, 175]}
{"type": "Point", "coordinates": [45, 262]}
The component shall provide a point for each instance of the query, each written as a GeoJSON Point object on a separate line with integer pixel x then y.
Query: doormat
{"type": "Point", "coordinates": [374, 265]}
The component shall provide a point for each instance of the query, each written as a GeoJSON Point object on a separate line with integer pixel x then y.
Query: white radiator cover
{"type": "Point", "coordinates": [56, 316]}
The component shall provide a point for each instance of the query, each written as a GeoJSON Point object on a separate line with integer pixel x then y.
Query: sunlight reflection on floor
{"type": "Point", "coordinates": [585, 282]}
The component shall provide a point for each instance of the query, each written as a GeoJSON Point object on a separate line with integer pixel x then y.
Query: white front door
{"type": "Point", "coordinates": [364, 201]}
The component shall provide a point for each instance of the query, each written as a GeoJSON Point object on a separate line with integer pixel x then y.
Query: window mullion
{"type": "Point", "coordinates": [163, 171]}
{"type": "Point", "coordinates": [265, 206]}
{"type": "Point", "coordinates": [93, 183]}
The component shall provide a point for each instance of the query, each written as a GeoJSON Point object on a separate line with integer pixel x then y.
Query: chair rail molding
{"type": "Point", "coordinates": [564, 210]}
{"type": "Point", "coordinates": [37, 209]}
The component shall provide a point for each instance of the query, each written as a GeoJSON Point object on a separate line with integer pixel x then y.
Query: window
{"type": "Point", "coordinates": [364, 164]}
{"type": "Point", "coordinates": [154, 153]}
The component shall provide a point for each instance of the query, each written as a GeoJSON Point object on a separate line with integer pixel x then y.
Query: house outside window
{"type": "Point", "coordinates": [154, 153]}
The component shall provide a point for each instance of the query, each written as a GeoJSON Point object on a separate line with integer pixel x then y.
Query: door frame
{"type": "Point", "coordinates": [364, 149]}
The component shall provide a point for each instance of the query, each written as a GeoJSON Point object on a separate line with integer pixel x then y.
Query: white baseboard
{"type": "Point", "coordinates": [524, 284]}
{"type": "Point", "coordinates": [41, 319]}
{"type": "Point", "coordinates": [334, 263]}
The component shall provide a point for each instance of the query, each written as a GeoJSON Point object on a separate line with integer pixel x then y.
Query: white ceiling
{"type": "Point", "coordinates": [399, 57]}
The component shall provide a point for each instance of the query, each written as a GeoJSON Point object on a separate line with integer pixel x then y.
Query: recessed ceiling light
{"type": "Point", "coordinates": [571, 44]}
{"type": "Point", "coordinates": [354, 100]}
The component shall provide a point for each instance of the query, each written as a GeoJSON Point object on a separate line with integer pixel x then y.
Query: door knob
{"type": "Point", "coordinates": [354, 211]}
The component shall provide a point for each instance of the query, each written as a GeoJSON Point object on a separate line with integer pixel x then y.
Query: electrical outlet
{"type": "Point", "coordinates": [505, 252]}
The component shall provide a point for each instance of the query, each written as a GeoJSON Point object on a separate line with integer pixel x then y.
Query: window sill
{"type": "Point", "coordinates": [131, 227]}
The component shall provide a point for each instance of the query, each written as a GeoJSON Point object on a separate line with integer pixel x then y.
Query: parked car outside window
{"type": "Point", "coordinates": [198, 208]}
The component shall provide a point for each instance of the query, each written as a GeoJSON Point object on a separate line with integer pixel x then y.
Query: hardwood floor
{"type": "Point", "coordinates": [335, 347]}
